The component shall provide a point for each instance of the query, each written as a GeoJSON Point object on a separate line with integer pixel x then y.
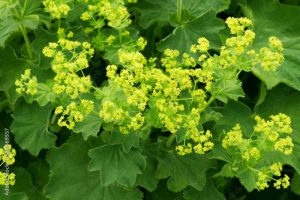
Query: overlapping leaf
{"type": "Point", "coordinates": [116, 165]}
{"type": "Point", "coordinates": [70, 178]}
{"type": "Point", "coordinates": [90, 126]}
{"type": "Point", "coordinates": [183, 171]}
{"type": "Point", "coordinates": [232, 113]}
{"type": "Point", "coordinates": [198, 19]}
{"type": "Point", "coordinates": [146, 179]}
{"type": "Point", "coordinates": [24, 15]}
{"type": "Point", "coordinates": [272, 18]}
{"type": "Point", "coordinates": [30, 127]}
{"type": "Point", "coordinates": [283, 99]}
{"type": "Point", "coordinates": [209, 192]}
{"type": "Point", "coordinates": [10, 68]}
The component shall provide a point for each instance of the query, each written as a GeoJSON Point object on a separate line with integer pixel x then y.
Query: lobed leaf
{"type": "Point", "coordinates": [116, 165]}
{"type": "Point", "coordinates": [30, 127]}
{"type": "Point", "coordinates": [272, 18]}
{"type": "Point", "coordinates": [183, 171]}
{"type": "Point", "coordinates": [65, 184]}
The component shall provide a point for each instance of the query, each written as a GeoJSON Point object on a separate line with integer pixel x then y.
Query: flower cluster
{"type": "Point", "coordinates": [265, 175]}
{"type": "Point", "coordinates": [7, 154]}
{"type": "Point", "coordinates": [7, 178]}
{"type": "Point", "coordinates": [124, 41]}
{"type": "Point", "coordinates": [233, 138]}
{"type": "Point", "coordinates": [112, 113]}
{"type": "Point", "coordinates": [27, 84]}
{"type": "Point", "coordinates": [7, 157]}
{"type": "Point", "coordinates": [274, 129]}
{"type": "Point", "coordinates": [271, 57]}
{"type": "Point", "coordinates": [202, 46]}
{"type": "Point", "coordinates": [164, 91]}
{"type": "Point", "coordinates": [57, 9]}
{"type": "Point", "coordinates": [268, 134]}
{"type": "Point", "coordinates": [237, 53]}
{"type": "Point", "coordinates": [178, 90]}
{"type": "Point", "coordinates": [70, 58]}
{"type": "Point", "coordinates": [74, 113]}
{"type": "Point", "coordinates": [266, 137]}
{"type": "Point", "coordinates": [268, 58]}
{"type": "Point", "coordinates": [202, 143]}
{"type": "Point", "coordinates": [114, 12]}
{"type": "Point", "coordinates": [171, 59]}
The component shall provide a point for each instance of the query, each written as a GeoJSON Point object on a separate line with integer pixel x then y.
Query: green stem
{"type": "Point", "coordinates": [24, 8]}
{"type": "Point", "coordinates": [212, 98]}
{"type": "Point", "coordinates": [28, 45]}
{"type": "Point", "coordinates": [53, 119]}
{"type": "Point", "coordinates": [179, 10]}
{"type": "Point", "coordinates": [182, 99]}
{"type": "Point", "coordinates": [170, 140]}
{"type": "Point", "coordinates": [120, 36]}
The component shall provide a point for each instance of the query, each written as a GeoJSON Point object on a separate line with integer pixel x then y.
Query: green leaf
{"type": "Point", "coordinates": [198, 19]}
{"type": "Point", "coordinates": [30, 127]}
{"type": "Point", "coordinates": [90, 126]}
{"type": "Point", "coordinates": [183, 171]}
{"type": "Point", "coordinates": [235, 112]}
{"type": "Point", "coordinates": [44, 95]}
{"type": "Point", "coordinates": [162, 192]}
{"type": "Point", "coordinates": [209, 192]}
{"type": "Point", "coordinates": [248, 179]}
{"type": "Point", "coordinates": [151, 117]}
{"type": "Point", "coordinates": [283, 99]}
{"type": "Point", "coordinates": [272, 18]}
{"type": "Point", "coordinates": [39, 171]}
{"type": "Point", "coordinates": [42, 38]}
{"type": "Point", "coordinates": [10, 68]}
{"type": "Point", "coordinates": [295, 185]}
{"type": "Point", "coordinates": [7, 27]}
{"type": "Point", "coordinates": [227, 89]}
{"type": "Point", "coordinates": [206, 25]}
{"type": "Point", "coordinates": [70, 178]}
{"type": "Point", "coordinates": [218, 153]}
{"type": "Point", "coordinates": [226, 85]}
{"type": "Point", "coordinates": [146, 179]}
{"type": "Point", "coordinates": [31, 21]}
{"type": "Point", "coordinates": [11, 23]}
{"type": "Point", "coordinates": [116, 165]}
{"type": "Point", "coordinates": [115, 137]}
{"type": "Point", "coordinates": [161, 11]}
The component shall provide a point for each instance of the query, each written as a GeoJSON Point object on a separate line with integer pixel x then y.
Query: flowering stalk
{"type": "Point", "coordinates": [27, 42]}
{"type": "Point", "coordinates": [179, 10]}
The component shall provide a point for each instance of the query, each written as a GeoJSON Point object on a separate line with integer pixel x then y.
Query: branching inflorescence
{"type": "Point", "coordinates": [268, 136]}
{"type": "Point", "coordinates": [175, 89]}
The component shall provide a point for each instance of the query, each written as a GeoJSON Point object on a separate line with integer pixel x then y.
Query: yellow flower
{"type": "Point", "coordinates": [233, 137]}
{"type": "Point", "coordinates": [276, 168]}
{"type": "Point", "coordinates": [85, 16]}
{"type": "Point", "coordinates": [284, 145]}
{"type": "Point", "coordinates": [141, 43]}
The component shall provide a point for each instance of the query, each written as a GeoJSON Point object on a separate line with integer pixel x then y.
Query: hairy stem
{"type": "Point", "coordinates": [179, 10]}
{"type": "Point", "coordinates": [28, 45]}
{"type": "Point", "coordinates": [170, 140]}
{"type": "Point", "coordinates": [212, 98]}
{"type": "Point", "coordinates": [53, 119]}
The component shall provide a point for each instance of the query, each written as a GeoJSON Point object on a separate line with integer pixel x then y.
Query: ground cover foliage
{"type": "Point", "coordinates": [150, 99]}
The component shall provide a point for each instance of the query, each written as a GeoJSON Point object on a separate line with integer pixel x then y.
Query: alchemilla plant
{"type": "Point", "coordinates": [127, 99]}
